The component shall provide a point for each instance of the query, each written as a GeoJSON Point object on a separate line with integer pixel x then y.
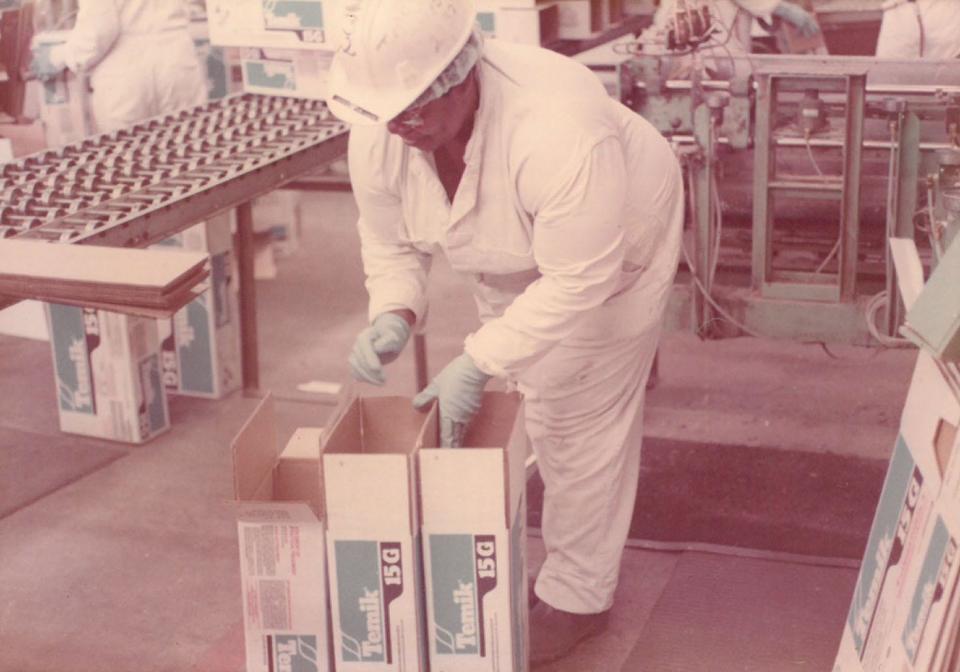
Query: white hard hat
{"type": "Point", "coordinates": [391, 52]}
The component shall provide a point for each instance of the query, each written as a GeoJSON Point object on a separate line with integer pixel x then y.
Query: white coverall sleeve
{"type": "Point", "coordinates": [396, 271]}
{"type": "Point", "coordinates": [759, 7]}
{"type": "Point", "coordinates": [577, 205]}
{"type": "Point", "coordinates": [94, 34]}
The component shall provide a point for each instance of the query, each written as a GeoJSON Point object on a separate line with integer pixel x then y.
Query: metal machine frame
{"type": "Point", "coordinates": [891, 116]}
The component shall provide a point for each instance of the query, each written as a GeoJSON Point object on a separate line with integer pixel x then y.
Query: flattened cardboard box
{"type": "Point", "coordinates": [107, 372]}
{"type": "Point", "coordinates": [280, 531]}
{"type": "Point", "coordinates": [474, 537]}
{"type": "Point", "coordinates": [373, 544]}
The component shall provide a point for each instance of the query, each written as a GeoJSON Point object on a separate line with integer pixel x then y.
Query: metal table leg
{"type": "Point", "coordinates": [248, 301]}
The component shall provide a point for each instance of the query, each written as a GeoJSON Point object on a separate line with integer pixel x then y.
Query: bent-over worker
{"type": "Point", "coordinates": [564, 210]}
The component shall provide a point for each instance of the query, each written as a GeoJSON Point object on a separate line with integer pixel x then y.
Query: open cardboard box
{"type": "Point", "coordinates": [281, 538]}
{"type": "Point", "coordinates": [474, 541]}
{"type": "Point", "coordinates": [373, 544]}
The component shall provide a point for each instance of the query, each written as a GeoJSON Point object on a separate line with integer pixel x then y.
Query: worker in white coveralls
{"type": "Point", "coordinates": [919, 29]}
{"type": "Point", "coordinates": [564, 210]}
{"type": "Point", "coordinates": [139, 55]}
{"type": "Point", "coordinates": [732, 21]}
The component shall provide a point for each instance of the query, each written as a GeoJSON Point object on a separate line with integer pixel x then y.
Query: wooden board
{"type": "Point", "coordinates": [108, 277]}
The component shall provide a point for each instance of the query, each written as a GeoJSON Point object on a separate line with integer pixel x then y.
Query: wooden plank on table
{"type": "Point", "coordinates": [146, 282]}
{"type": "Point", "coordinates": [176, 303]}
{"type": "Point", "coordinates": [87, 265]}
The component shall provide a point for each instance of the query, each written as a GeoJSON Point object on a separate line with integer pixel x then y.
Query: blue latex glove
{"type": "Point", "coordinates": [459, 389]}
{"type": "Point", "coordinates": [378, 344]}
{"type": "Point", "coordinates": [42, 66]}
{"type": "Point", "coordinates": [802, 20]}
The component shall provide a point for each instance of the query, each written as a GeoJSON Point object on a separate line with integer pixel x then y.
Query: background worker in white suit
{"type": "Point", "coordinates": [139, 55]}
{"type": "Point", "coordinates": [564, 210]}
{"type": "Point", "coordinates": [919, 29]}
{"type": "Point", "coordinates": [732, 20]}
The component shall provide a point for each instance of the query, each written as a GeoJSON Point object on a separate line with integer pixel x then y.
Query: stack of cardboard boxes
{"type": "Point", "coordinates": [905, 612]}
{"type": "Point", "coordinates": [284, 48]}
{"type": "Point", "coordinates": [425, 546]}
{"type": "Point", "coordinates": [113, 371]}
{"type": "Point", "coordinates": [545, 22]}
{"type": "Point", "coordinates": [280, 49]}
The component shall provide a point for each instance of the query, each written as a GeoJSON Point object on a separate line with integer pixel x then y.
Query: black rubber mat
{"type": "Point", "coordinates": [727, 614]}
{"type": "Point", "coordinates": [33, 465]}
{"type": "Point", "coordinates": [760, 498]}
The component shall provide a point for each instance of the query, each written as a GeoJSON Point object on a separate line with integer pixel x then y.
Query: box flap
{"type": "Point", "coordinates": [366, 466]}
{"type": "Point", "coordinates": [367, 493]}
{"type": "Point", "coordinates": [906, 261]}
{"type": "Point", "coordinates": [482, 483]}
{"type": "Point", "coordinates": [304, 444]}
{"type": "Point", "coordinates": [255, 452]}
{"type": "Point", "coordinates": [297, 476]}
{"type": "Point", "coordinates": [462, 489]}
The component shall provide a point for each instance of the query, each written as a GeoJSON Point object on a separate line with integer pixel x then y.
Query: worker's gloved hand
{"type": "Point", "coordinates": [378, 344]}
{"type": "Point", "coordinates": [801, 19]}
{"type": "Point", "coordinates": [459, 390]}
{"type": "Point", "coordinates": [44, 63]}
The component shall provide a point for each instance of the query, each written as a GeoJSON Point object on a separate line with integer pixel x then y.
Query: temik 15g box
{"type": "Point", "coordinates": [107, 371]}
{"type": "Point", "coordinates": [281, 538]}
{"type": "Point", "coordinates": [369, 484]}
{"type": "Point", "coordinates": [474, 542]}
{"type": "Point", "coordinates": [200, 344]}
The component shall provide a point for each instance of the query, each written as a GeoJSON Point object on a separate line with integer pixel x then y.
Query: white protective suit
{"type": "Point", "coordinates": [567, 221]}
{"type": "Point", "coordinates": [734, 20]}
{"type": "Point", "coordinates": [921, 29]}
{"type": "Point", "coordinates": [141, 59]}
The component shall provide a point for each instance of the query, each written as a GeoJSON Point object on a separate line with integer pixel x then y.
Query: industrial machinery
{"type": "Point", "coordinates": [799, 168]}
{"type": "Point", "coordinates": [141, 184]}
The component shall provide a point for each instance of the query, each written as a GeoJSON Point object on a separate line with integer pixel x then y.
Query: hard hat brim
{"type": "Point", "coordinates": [354, 103]}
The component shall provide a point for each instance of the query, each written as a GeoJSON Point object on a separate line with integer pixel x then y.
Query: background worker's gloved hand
{"type": "Point", "coordinates": [459, 390]}
{"type": "Point", "coordinates": [799, 17]}
{"type": "Point", "coordinates": [44, 63]}
{"type": "Point", "coordinates": [378, 344]}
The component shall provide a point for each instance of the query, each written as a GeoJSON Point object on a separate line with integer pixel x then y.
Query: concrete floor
{"type": "Point", "coordinates": [133, 566]}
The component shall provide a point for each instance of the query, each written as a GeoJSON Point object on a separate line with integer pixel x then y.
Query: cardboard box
{"type": "Point", "coordinates": [579, 19]}
{"type": "Point", "coordinates": [933, 322]}
{"type": "Point", "coordinates": [287, 73]}
{"type": "Point", "coordinates": [279, 213]}
{"type": "Point", "coordinates": [214, 60]}
{"type": "Point", "coordinates": [108, 376]}
{"type": "Point", "coordinates": [373, 544]}
{"type": "Point", "coordinates": [200, 345]}
{"type": "Point", "coordinates": [474, 543]}
{"type": "Point", "coordinates": [64, 100]}
{"type": "Point", "coordinates": [886, 609]}
{"type": "Point", "coordinates": [283, 24]}
{"type": "Point", "coordinates": [527, 25]}
{"type": "Point", "coordinates": [281, 541]}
